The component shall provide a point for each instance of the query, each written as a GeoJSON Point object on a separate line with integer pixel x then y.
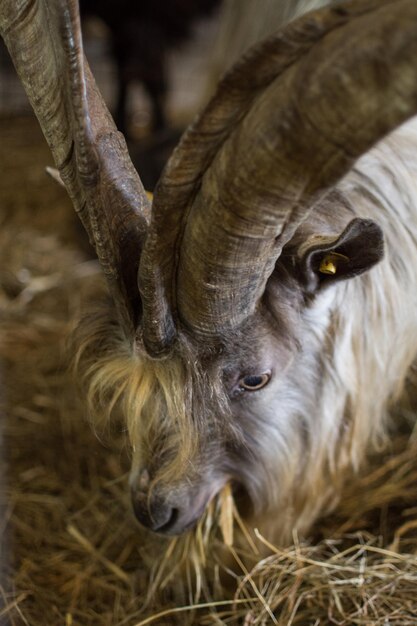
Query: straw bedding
{"type": "Point", "coordinates": [72, 553]}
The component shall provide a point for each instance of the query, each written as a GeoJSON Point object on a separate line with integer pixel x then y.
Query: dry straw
{"type": "Point", "coordinates": [72, 554]}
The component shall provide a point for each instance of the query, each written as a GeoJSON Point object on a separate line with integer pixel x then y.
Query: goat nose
{"type": "Point", "coordinates": [165, 510]}
{"type": "Point", "coordinates": [150, 510]}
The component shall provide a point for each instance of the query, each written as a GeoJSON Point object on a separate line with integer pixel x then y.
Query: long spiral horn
{"type": "Point", "coordinates": [44, 41]}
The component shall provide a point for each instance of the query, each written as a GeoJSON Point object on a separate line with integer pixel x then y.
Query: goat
{"type": "Point", "coordinates": [258, 333]}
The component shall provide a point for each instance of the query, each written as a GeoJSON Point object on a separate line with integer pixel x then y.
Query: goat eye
{"type": "Point", "coordinates": [253, 383]}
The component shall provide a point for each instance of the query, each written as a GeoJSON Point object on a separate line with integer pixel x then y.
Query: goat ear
{"type": "Point", "coordinates": [324, 259]}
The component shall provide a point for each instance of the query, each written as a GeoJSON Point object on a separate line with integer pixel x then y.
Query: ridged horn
{"type": "Point", "coordinates": [44, 41]}
{"type": "Point", "coordinates": [286, 123]}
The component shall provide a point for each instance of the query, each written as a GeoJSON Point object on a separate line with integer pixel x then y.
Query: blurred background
{"type": "Point", "coordinates": [157, 62]}
{"type": "Point", "coordinates": [151, 62]}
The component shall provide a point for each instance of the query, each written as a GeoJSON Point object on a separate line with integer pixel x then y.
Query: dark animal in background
{"type": "Point", "coordinates": [142, 33]}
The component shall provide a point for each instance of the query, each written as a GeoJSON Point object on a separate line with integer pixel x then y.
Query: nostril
{"type": "Point", "coordinates": [154, 513]}
{"type": "Point", "coordinates": [169, 523]}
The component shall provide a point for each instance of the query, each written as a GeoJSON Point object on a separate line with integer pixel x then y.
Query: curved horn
{"type": "Point", "coordinates": [44, 41]}
{"type": "Point", "coordinates": [286, 124]}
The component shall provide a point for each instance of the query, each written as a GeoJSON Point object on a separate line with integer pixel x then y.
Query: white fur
{"type": "Point", "coordinates": [359, 343]}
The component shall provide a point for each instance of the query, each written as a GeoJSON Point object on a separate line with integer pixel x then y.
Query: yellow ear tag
{"type": "Point", "coordinates": [150, 195]}
{"type": "Point", "coordinates": [327, 266]}
{"type": "Point", "coordinates": [329, 263]}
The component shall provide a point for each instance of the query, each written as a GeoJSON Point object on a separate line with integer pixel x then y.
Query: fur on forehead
{"type": "Point", "coordinates": [271, 326]}
{"type": "Point", "coordinates": [120, 379]}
